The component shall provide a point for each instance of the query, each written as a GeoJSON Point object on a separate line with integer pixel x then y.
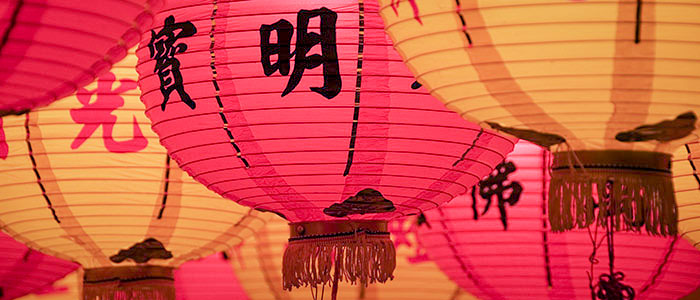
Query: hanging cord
{"type": "Point", "coordinates": [610, 286]}
{"type": "Point", "coordinates": [592, 258]}
{"type": "Point", "coordinates": [571, 153]}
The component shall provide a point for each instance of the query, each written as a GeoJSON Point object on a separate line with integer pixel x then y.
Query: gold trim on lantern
{"type": "Point", "coordinates": [639, 184]}
{"type": "Point", "coordinates": [613, 159]}
{"type": "Point", "coordinates": [134, 282]}
{"type": "Point", "coordinates": [327, 252]}
{"type": "Point", "coordinates": [311, 229]}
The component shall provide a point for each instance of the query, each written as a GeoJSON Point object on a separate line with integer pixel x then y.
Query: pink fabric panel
{"type": "Point", "coordinates": [297, 145]}
{"type": "Point", "coordinates": [209, 278]}
{"type": "Point", "coordinates": [24, 271]}
{"type": "Point", "coordinates": [50, 48]}
{"type": "Point", "coordinates": [492, 263]}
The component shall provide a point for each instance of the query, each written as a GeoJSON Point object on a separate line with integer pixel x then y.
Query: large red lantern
{"type": "Point", "coordinates": [511, 255]}
{"type": "Point", "coordinates": [24, 271]}
{"type": "Point", "coordinates": [50, 48]}
{"type": "Point", "coordinates": [327, 131]}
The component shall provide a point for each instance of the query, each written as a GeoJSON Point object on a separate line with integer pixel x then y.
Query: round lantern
{"type": "Point", "coordinates": [256, 263]}
{"type": "Point", "coordinates": [50, 48]}
{"type": "Point", "coordinates": [687, 184]}
{"type": "Point", "coordinates": [526, 261]}
{"type": "Point", "coordinates": [612, 85]}
{"type": "Point", "coordinates": [335, 141]}
{"type": "Point", "coordinates": [24, 271]}
{"type": "Point", "coordinates": [86, 180]}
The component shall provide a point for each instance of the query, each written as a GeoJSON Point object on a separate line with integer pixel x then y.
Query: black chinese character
{"type": "Point", "coordinates": [305, 41]}
{"type": "Point", "coordinates": [494, 185]}
{"type": "Point", "coordinates": [162, 48]}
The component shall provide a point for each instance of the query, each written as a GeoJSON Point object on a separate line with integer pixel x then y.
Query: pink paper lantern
{"type": "Point", "coordinates": [209, 278]}
{"type": "Point", "coordinates": [24, 271]}
{"type": "Point", "coordinates": [526, 261]}
{"type": "Point", "coordinates": [50, 48]}
{"type": "Point", "coordinates": [337, 140]}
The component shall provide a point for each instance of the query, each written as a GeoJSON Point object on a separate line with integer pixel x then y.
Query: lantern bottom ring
{"type": "Point", "coordinates": [326, 252]}
{"type": "Point", "coordinates": [129, 282]}
{"type": "Point", "coordinates": [634, 186]}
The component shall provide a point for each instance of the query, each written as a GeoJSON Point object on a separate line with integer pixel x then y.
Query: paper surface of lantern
{"type": "Point", "coordinates": [24, 271]}
{"type": "Point", "coordinates": [50, 48]}
{"type": "Point", "coordinates": [256, 263]}
{"type": "Point", "coordinates": [209, 278]}
{"type": "Point", "coordinates": [67, 288]}
{"type": "Point", "coordinates": [687, 186]}
{"type": "Point", "coordinates": [612, 85]}
{"type": "Point", "coordinates": [86, 180]}
{"type": "Point", "coordinates": [526, 261]}
{"type": "Point", "coordinates": [334, 140]}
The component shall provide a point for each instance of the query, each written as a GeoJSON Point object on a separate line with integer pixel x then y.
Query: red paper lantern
{"type": "Point", "coordinates": [209, 278]}
{"type": "Point", "coordinates": [528, 262]}
{"type": "Point", "coordinates": [335, 140]}
{"type": "Point", "coordinates": [24, 271]}
{"type": "Point", "coordinates": [50, 48]}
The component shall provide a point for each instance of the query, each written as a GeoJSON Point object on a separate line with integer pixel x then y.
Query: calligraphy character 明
{"type": "Point", "coordinates": [304, 42]}
{"type": "Point", "coordinates": [162, 48]}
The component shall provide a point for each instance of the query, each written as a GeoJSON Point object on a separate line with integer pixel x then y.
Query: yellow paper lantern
{"type": "Point", "coordinates": [613, 85]}
{"type": "Point", "coordinates": [257, 263]}
{"type": "Point", "coordinates": [86, 180]}
{"type": "Point", "coordinates": [686, 180]}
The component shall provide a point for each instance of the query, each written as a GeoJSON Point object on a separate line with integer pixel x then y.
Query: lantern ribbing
{"type": "Point", "coordinates": [325, 123]}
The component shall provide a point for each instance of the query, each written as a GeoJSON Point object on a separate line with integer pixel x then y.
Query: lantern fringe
{"type": "Point", "coordinates": [361, 256]}
{"type": "Point", "coordinates": [115, 286]}
{"type": "Point", "coordinates": [643, 199]}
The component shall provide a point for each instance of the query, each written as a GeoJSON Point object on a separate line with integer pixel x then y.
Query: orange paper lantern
{"type": "Point", "coordinates": [86, 180]}
{"type": "Point", "coordinates": [615, 82]}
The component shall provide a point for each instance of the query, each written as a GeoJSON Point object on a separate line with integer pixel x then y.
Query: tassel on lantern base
{"type": "Point", "coordinates": [639, 183]}
{"type": "Point", "coordinates": [323, 253]}
{"type": "Point", "coordinates": [132, 282]}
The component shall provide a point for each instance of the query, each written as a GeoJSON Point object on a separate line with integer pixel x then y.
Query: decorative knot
{"type": "Point", "coordinates": [610, 287]}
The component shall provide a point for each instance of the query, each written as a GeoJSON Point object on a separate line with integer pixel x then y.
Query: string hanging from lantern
{"type": "Point", "coordinates": [609, 286]}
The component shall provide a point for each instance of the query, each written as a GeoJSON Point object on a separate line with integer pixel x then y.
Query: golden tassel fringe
{"type": "Point", "coordinates": [641, 199]}
{"type": "Point", "coordinates": [129, 283]}
{"type": "Point", "coordinates": [355, 257]}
